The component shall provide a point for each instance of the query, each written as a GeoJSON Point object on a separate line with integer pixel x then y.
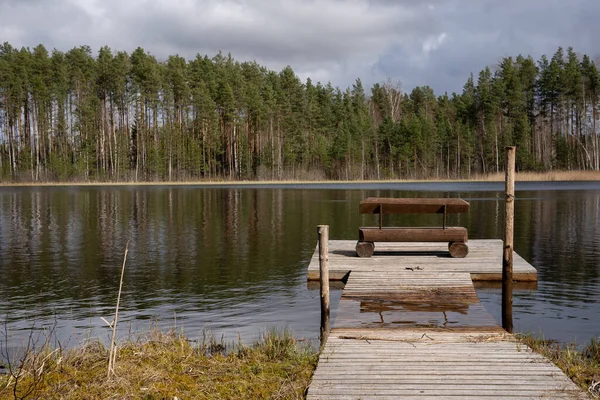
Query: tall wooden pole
{"type": "Point", "coordinates": [507, 258]}
{"type": "Point", "coordinates": [323, 233]}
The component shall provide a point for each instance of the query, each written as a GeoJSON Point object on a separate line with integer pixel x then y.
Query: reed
{"type": "Point", "coordinates": [112, 353]}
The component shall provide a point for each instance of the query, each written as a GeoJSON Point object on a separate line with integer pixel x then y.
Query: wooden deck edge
{"type": "Point", "coordinates": [338, 275]}
{"type": "Point", "coordinates": [416, 297]}
{"type": "Point", "coordinates": [517, 277]}
{"type": "Point", "coordinates": [427, 334]}
{"type": "Point", "coordinates": [334, 275]}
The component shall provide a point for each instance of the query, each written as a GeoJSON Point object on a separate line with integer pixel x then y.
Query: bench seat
{"type": "Point", "coordinates": [456, 237]}
{"type": "Point", "coordinates": [449, 234]}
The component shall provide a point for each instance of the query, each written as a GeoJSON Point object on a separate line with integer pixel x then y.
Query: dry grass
{"type": "Point", "coordinates": [582, 365]}
{"type": "Point", "coordinates": [550, 176]}
{"type": "Point", "coordinates": [168, 366]}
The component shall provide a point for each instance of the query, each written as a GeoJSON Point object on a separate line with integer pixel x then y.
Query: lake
{"type": "Point", "coordinates": [232, 260]}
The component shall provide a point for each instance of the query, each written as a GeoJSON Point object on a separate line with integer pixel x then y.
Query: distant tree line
{"type": "Point", "coordinates": [117, 116]}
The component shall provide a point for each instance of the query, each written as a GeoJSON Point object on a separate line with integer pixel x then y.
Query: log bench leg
{"type": "Point", "coordinates": [365, 249]}
{"type": "Point", "coordinates": [458, 249]}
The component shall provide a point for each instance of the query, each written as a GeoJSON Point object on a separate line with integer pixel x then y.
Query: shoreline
{"type": "Point", "coordinates": [556, 176]}
{"type": "Point", "coordinates": [162, 364]}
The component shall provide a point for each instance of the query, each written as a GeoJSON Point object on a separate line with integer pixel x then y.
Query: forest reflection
{"type": "Point", "coordinates": [209, 250]}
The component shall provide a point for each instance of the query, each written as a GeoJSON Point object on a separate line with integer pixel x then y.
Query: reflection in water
{"type": "Point", "coordinates": [233, 260]}
{"type": "Point", "coordinates": [356, 313]}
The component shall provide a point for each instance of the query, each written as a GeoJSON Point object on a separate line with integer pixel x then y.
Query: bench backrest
{"type": "Point", "coordinates": [384, 205]}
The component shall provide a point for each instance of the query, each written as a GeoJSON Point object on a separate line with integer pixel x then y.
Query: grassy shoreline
{"type": "Point", "coordinates": [581, 365]}
{"type": "Point", "coordinates": [551, 176]}
{"type": "Point", "coordinates": [166, 366]}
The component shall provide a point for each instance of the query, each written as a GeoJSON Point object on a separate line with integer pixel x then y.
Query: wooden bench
{"type": "Point", "coordinates": [456, 237]}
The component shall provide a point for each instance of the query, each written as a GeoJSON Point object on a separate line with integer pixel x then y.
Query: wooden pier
{"type": "Point", "coordinates": [484, 261]}
{"type": "Point", "coordinates": [409, 325]}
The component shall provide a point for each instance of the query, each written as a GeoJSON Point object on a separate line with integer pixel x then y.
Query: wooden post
{"type": "Point", "coordinates": [507, 259]}
{"type": "Point", "coordinates": [323, 233]}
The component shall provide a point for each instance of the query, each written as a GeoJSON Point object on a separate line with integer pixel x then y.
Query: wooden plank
{"type": "Point", "coordinates": [417, 336]}
{"type": "Point", "coordinates": [381, 257]}
{"type": "Point", "coordinates": [387, 269]}
{"type": "Point", "coordinates": [567, 395]}
{"type": "Point", "coordinates": [449, 373]}
{"type": "Point", "coordinates": [493, 277]}
{"type": "Point", "coordinates": [404, 386]}
{"type": "Point", "coordinates": [477, 246]}
{"type": "Point", "coordinates": [455, 359]}
{"type": "Point", "coordinates": [423, 396]}
{"type": "Point", "coordinates": [423, 377]}
{"type": "Point", "coordinates": [337, 275]}
{"type": "Point", "coordinates": [481, 243]}
{"type": "Point", "coordinates": [384, 205]}
{"type": "Point", "coordinates": [366, 393]}
{"type": "Point", "coordinates": [422, 275]}
{"type": "Point", "coordinates": [438, 296]}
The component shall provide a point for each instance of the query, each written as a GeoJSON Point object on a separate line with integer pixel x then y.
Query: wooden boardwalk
{"type": "Point", "coordinates": [410, 325]}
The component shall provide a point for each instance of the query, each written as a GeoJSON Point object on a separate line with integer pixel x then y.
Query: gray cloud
{"type": "Point", "coordinates": [437, 43]}
{"type": "Point", "coordinates": [485, 31]}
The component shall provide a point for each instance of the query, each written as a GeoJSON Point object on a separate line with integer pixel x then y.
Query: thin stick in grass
{"type": "Point", "coordinates": [112, 354]}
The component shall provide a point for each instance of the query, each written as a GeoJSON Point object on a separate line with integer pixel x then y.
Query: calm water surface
{"type": "Point", "coordinates": [232, 260]}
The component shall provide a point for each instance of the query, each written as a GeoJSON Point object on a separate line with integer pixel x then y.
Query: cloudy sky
{"type": "Point", "coordinates": [417, 42]}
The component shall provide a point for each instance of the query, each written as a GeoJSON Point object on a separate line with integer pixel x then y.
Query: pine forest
{"type": "Point", "coordinates": [78, 116]}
